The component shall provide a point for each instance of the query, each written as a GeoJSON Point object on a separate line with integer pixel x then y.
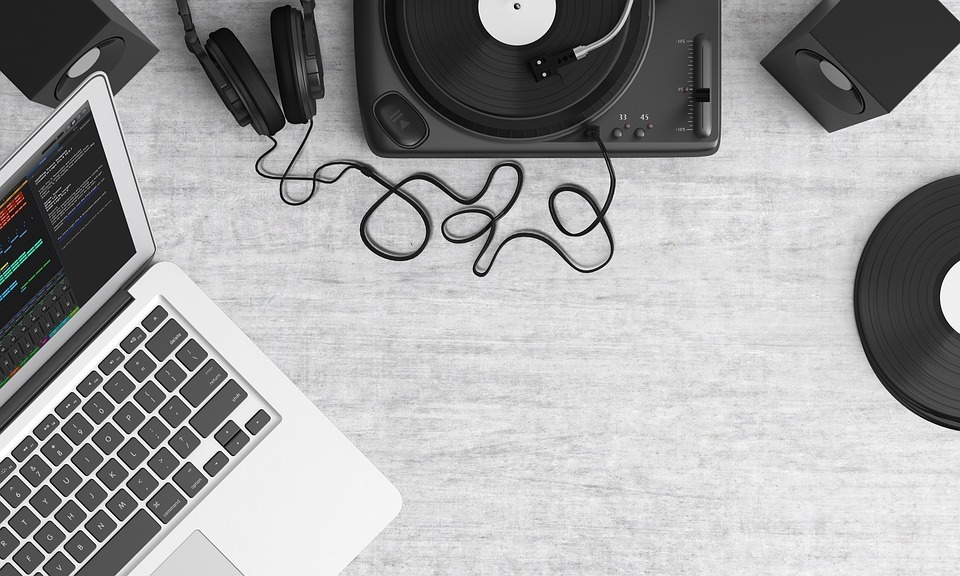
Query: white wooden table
{"type": "Point", "coordinates": [700, 407]}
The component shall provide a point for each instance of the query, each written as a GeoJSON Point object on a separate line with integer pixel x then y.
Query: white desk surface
{"type": "Point", "coordinates": [702, 406]}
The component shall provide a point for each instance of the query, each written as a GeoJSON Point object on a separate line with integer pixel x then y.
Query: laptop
{"type": "Point", "coordinates": [142, 432]}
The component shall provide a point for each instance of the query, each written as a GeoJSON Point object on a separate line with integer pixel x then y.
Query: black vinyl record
{"type": "Point", "coordinates": [907, 339]}
{"type": "Point", "coordinates": [481, 84]}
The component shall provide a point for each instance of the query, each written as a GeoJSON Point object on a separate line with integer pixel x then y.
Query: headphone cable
{"type": "Point", "coordinates": [469, 202]}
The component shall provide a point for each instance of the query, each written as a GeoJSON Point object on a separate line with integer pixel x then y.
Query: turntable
{"type": "Point", "coordinates": [482, 78]}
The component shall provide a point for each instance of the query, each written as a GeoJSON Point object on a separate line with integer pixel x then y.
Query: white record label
{"type": "Point", "coordinates": [517, 22]}
{"type": "Point", "coordinates": [950, 297]}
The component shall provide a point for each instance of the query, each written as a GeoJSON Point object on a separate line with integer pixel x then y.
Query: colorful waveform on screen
{"type": "Point", "coordinates": [9, 268]}
{"type": "Point", "coordinates": [12, 206]}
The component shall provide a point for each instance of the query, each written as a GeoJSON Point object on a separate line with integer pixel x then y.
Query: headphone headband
{"type": "Point", "coordinates": [190, 37]}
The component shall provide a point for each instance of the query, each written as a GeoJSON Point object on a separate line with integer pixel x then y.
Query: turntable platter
{"type": "Point", "coordinates": [466, 75]}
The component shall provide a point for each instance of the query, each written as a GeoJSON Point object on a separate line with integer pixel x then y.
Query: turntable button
{"type": "Point", "coordinates": [617, 133]}
{"type": "Point", "coordinates": [639, 134]}
{"type": "Point", "coordinates": [400, 120]}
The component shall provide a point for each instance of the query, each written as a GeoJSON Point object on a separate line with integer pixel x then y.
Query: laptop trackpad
{"type": "Point", "coordinates": [196, 557]}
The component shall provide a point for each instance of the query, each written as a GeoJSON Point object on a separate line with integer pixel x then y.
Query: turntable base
{"type": "Point", "coordinates": [452, 79]}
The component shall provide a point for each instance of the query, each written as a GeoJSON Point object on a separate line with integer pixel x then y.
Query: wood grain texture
{"type": "Point", "coordinates": [700, 407]}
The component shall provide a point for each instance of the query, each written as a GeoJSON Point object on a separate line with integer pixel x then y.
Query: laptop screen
{"type": "Point", "coordinates": [63, 235]}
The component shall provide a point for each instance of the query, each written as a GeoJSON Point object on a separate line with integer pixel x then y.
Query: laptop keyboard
{"type": "Point", "coordinates": [125, 453]}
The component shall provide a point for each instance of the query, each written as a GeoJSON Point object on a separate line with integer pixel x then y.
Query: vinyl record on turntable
{"type": "Point", "coordinates": [467, 61]}
{"type": "Point", "coordinates": [907, 302]}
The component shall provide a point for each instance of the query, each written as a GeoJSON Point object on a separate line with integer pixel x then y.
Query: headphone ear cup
{"type": "Point", "coordinates": [225, 89]}
{"type": "Point", "coordinates": [229, 54]}
{"type": "Point", "coordinates": [289, 54]}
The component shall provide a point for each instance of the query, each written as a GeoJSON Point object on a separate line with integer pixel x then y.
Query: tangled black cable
{"type": "Point", "coordinates": [600, 212]}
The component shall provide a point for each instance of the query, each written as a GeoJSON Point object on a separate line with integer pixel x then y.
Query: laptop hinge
{"type": "Point", "coordinates": [71, 348]}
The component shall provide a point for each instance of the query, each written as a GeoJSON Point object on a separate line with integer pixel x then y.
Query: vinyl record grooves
{"type": "Point", "coordinates": [907, 339]}
{"type": "Point", "coordinates": [486, 86]}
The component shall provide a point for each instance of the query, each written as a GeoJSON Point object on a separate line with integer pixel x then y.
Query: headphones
{"type": "Point", "coordinates": [238, 81]}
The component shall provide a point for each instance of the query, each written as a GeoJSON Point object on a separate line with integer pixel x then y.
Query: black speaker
{"type": "Point", "coordinates": [853, 60]}
{"type": "Point", "coordinates": [48, 48]}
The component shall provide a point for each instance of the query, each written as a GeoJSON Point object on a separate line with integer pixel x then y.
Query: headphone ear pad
{"type": "Point", "coordinates": [229, 54]}
{"type": "Point", "coordinates": [289, 54]}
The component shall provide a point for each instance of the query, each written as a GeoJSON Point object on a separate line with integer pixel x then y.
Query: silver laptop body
{"type": "Point", "coordinates": [143, 433]}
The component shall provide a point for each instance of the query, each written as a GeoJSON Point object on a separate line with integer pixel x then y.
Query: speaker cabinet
{"type": "Point", "coordinates": [850, 61]}
{"type": "Point", "coordinates": [48, 48]}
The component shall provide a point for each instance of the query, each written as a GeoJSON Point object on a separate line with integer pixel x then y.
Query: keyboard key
{"type": "Point", "coordinates": [8, 543]}
{"type": "Point", "coordinates": [68, 405]}
{"type": "Point", "coordinates": [28, 558]}
{"type": "Point", "coordinates": [111, 362]}
{"type": "Point", "coordinates": [225, 434]}
{"type": "Point", "coordinates": [98, 408]}
{"type": "Point", "coordinates": [150, 397]}
{"type": "Point", "coordinates": [25, 448]}
{"type": "Point", "coordinates": [70, 516]}
{"type": "Point", "coordinates": [258, 422]}
{"type": "Point", "coordinates": [112, 474]}
{"type": "Point", "coordinates": [170, 376]}
{"type": "Point", "coordinates": [77, 429]}
{"type": "Point", "coordinates": [4, 512]}
{"type": "Point", "coordinates": [119, 387]}
{"type": "Point", "coordinates": [66, 480]}
{"type": "Point", "coordinates": [46, 428]}
{"type": "Point", "coordinates": [140, 366]}
{"type": "Point", "coordinates": [100, 526]}
{"type": "Point", "coordinates": [107, 439]}
{"type": "Point", "coordinates": [24, 522]}
{"type": "Point", "coordinates": [7, 466]}
{"type": "Point", "coordinates": [175, 411]}
{"type": "Point", "coordinates": [167, 503]}
{"type": "Point", "coordinates": [122, 505]}
{"type": "Point", "coordinates": [142, 484]}
{"type": "Point", "coordinates": [163, 463]}
{"type": "Point", "coordinates": [35, 471]}
{"type": "Point", "coordinates": [184, 442]}
{"type": "Point", "coordinates": [204, 383]}
{"type": "Point", "coordinates": [87, 459]}
{"type": "Point", "coordinates": [133, 340]}
{"type": "Point", "coordinates": [129, 417]}
{"type": "Point", "coordinates": [45, 501]}
{"type": "Point", "coordinates": [190, 480]}
{"type": "Point", "coordinates": [215, 464]}
{"type": "Point", "coordinates": [153, 319]}
{"type": "Point", "coordinates": [121, 549]}
{"type": "Point", "coordinates": [59, 565]}
{"type": "Point", "coordinates": [90, 383]}
{"type": "Point", "coordinates": [91, 495]}
{"type": "Point", "coordinates": [165, 341]}
{"type": "Point", "coordinates": [191, 355]}
{"type": "Point", "coordinates": [49, 537]}
{"type": "Point", "coordinates": [80, 547]}
{"type": "Point", "coordinates": [14, 492]}
{"type": "Point", "coordinates": [133, 453]}
{"type": "Point", "coordinates": [154, 432]}
{"type": "Point", "coordinates": [9, 570]}
{"type": "Point", "coordinates": [237, 443]}
{"type": "Point", "coordinates": [57, 449]}
{"type": "Point", "coordinates": [218, 408]}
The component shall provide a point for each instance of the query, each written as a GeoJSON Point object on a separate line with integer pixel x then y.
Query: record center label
{"type": "Point", "coordinates": [950, 297]}
{"type": "Point", "coordinates": [517, 22]}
